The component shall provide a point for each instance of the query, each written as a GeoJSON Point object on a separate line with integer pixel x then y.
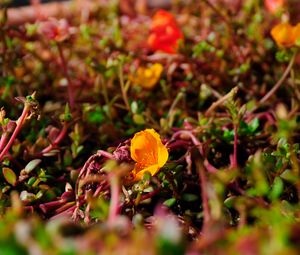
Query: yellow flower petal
{"type": "Point", "coordinates": [283, 35]}
{"type": "Point", "coordinates": [147, 77]}
{"type": "Point", "coordinates": [151, 169]}
{"type": "Point", "coordinates": [148, 152]}
{"type": "Point", "coordinates": [296, 34]}
{"type": "Point", "coordinates": [144, 148]}
{"type": "Point", "coordinates": [163, 155]}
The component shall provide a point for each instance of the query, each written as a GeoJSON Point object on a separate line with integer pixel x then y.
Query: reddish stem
{"type": "Point", "coordinates": [67, 213]}
{"type": "Point", "coordinates": [281, 80]}
{"type": "Point", "coordinates": [20, 123]}
{"type": "Point", "coordinates": [57, 140]}
{"type": "Point", "coordinates": [148, 195]}
{"type": "Point", "coordinates": [106, 154]}
{"type": "Point", "coordinates": [65, 70]}
{"type": "Point", "coordinates": [193, 138]}
{"type": "Point", "coordinates": [114, 200]}
{"type": "Point", "coordinates": [65, 207]}
{"type": "Point", "coordinates": [3, 140]}
{"type": "Point", "coordinates": [204, 195]}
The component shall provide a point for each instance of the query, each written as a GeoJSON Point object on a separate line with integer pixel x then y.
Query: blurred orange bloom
{"type": "Point", "coordinates": [165, 33]}
{"type": "Point", "coordinates": [274, 5]}
{"type": "Point", "coordinates": [148, 152]}
{"type": "Point", "coordinates": [296, 34]}
{"type": "Point", "coordinates": [147, 77]}
{"type": "Point", "coordinates": [283, 34]}
{"type": "Point", "coordinates": [163, 18]}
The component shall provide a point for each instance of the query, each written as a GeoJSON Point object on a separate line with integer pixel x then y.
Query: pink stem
{"type": "Point", "coordinates": [65, 207]}
{"type": "Point", "coordinates": [204, 195]}
{"type": "Point", "coordinates": [149, 195]}
{"type": "Point", "coordinates": [105, 154]}
{"type": "Point", "coordinates": [178, 144]}
{"type": "Point", "coordinates": [51, 205]}
{"type": "Point", "coordinates": [195, 141]}
{"type": "Point", "coordinates": [57, 140]}
{"type": "Point", "coordinates": [114, 200]}
{"type": "Point", "coordinates": [210, 168]}
{"type": "Point", "coordinates": [20, 123]}
{"type": "Point", "coordinates": [67, 213]}
{"type": "Point", "coordinates": [3, 140]}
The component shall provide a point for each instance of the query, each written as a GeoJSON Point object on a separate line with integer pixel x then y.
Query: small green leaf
{"type": "Point", "coordinates": [170, 202]}
{"type": "Point", "coordinates": [189, 197]}
{"type": "Point", "coordinates": [32, 165]}
{"type": "Point", "coordinates": [51, 153]}
{"type": "Point", "coordinates": [31, 181]}
{"type": "Point", "coordinates": [230, 201]}
{"type": "Point", "coordinates": [289, 175]}
{"type": "Point", "coordinates": [228, 135]}
{"type": "Point", "coordinates": [138, 119]}
{"type": "Point", "coordinates": [68, 115]}
{"type": "Point", "coordinates": [97, 116]}
{"type": "Point", "coordinates": [253, 125]}
{"type": "Point", "coordinates": [9, 175]}
{"type": "Point", "coordinates": [276, 189]}
{"type": "Point", "coordinates": [134, 107]}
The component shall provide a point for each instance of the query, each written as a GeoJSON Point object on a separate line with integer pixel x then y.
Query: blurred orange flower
{"type": "Point", "coordinates": [274, 5]}
{"type": "Point", "coordinates": [165, 33]}
{"type": "Point", "coordinates": [283, 34]}
{"type": "Point", "coordinates": [148, 152]}
{"type": "Point", "coordinates": [296, 34]}
{"type": "Point", "coordinates": [147, 77]}
{"type": "Point", "coordinates": [163, 18]}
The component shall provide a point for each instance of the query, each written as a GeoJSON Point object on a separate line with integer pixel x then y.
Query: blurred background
{"type": "Point", "coordinates": [17, 3]}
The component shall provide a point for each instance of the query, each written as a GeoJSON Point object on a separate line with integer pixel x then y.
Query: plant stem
{"type": "Point", "coordinates": [65, 70]}
{"type": "Point", "coordinates": [57, 140]}
{"type": "Point", "coordinates": [221, 101]}
{"type": "Point", "coordinates": [177, 99]}
{"type": "Point", "coordinates": [193, 138]}
{"type": "Point", "coordinates": [114, 200]}
{"type": "Point", "coordinates": [203, 184]}
{"type": "Point", "coordinates": [235, 143]}
{"type": "Point", "coordinates": [19, 123]}
{"type": "Point", "coordinates": [3, 140]}
{"type": "Point", "coordinates": [281, 80]}
{"type": "Point", "coordinates": [175, 102]}
{"type": "Point", "coordinates": [123, 89]}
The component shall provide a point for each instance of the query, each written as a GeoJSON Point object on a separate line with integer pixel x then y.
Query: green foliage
{"type": "Point", "coordinates": [9, 175]}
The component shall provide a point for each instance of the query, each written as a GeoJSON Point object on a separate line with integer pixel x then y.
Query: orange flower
{"type": "Point", "coordinates": [283, 34]}
{"type": "Point", "coordinates": [296, 34]}
{"type": "Point", "coordinates": [148, 152]}
{"type": "Point", "coordinates": [165, 33]}
{"type": "Point", "coordinates": [274, 5]}
{"type": "Point", "coordinates": [162, 18]}
{"type": "Point", "coordinates": [147, 77]}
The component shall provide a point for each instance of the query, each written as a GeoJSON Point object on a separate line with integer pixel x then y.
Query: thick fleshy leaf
{"type": "Point", "coordinates": [32, 165]}
{"type": "Point", "coordinates": [9, 175]}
